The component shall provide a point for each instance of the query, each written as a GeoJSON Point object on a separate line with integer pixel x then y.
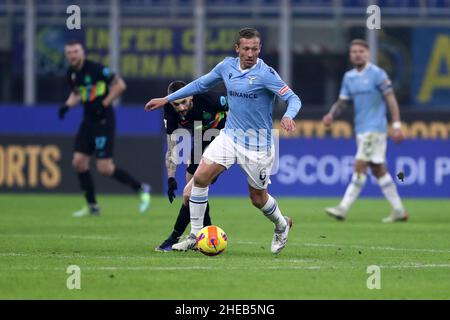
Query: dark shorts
{"type": "Point", "coordinates": [95, 138]}
{"type": "Point", "coordinates": [192, 167]}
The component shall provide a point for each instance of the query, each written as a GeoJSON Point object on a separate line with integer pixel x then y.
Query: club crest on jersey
{"type": "Point", "coordinates": [87, 79]}
{"type": "Point", "coordinates": [73, 76]}
{"type": "Point", "coordinates": [251, 79]}
{"type": "Point", "coordinates": [283, 90]}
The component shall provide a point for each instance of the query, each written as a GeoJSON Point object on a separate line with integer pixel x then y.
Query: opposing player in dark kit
{"type": "Point", "coordinates": [96, 87]}
{"type": "Point", "coordinates": [199, 112]}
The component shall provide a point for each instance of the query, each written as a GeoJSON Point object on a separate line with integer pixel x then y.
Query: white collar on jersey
{"type": "Point", "coordinates": [246, 70]}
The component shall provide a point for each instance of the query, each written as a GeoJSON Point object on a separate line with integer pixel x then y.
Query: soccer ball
{"type": "Point", "coordinates": [211, 240]}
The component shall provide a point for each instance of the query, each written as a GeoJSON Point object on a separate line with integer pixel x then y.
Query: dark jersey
{"type": "Point", "coordinates": [92, 83]}
{"type": "Point", "coordinates": [209, 109]}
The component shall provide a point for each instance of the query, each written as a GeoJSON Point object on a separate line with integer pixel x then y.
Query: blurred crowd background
{"type": "Point", "coordinates": [156, 43]}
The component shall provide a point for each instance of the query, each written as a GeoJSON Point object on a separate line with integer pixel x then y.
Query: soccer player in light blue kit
{"type": "Point", "coordinates": [252, 87]}
{"type": "Point", "coordinates": [370, 89]}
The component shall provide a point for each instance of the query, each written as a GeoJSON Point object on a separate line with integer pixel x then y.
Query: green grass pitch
{"type": "Point", "coordinates": [324, 258]}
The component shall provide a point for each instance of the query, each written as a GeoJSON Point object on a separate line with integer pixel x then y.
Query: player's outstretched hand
{"type": "Point", "coordinates": [172, 183]}
{"type": "Point", "coordinates": [327, 120]}
{"type": "Point", "coordinates": [398, 136]}
{"type": "Point", "coordinates": [287, 124]}
{"type": "Point", "coordinates": [156, 104]}
{"type": "Point", "coordinates": [62, 111]}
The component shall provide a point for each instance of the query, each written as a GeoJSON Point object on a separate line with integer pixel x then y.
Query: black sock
{"type": "Point", "coordinates": [124, 177]}
{"type": "Point", "coordinates": [207, 218]}
{"type": "Point", "coordinates": [87, 185]}
{"type": "Point", "coordinates": [183, 219]}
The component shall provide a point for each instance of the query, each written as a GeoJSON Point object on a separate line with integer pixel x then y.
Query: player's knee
{"type": "Point", "coordinates": [360, 167]}
{"type": "Point", "coordinates": [200, 180]}
{"type": "Point", "coordinates": [378, 170]}
{"type": "Point", "coordinates": [105, 169]}
{"type": "Point", "coordinates": [80, 165]}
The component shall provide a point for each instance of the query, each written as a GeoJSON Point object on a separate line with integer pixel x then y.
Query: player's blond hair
{"type": "Point", "coordinates": [359, 42]}
{"type": "Point", "coordinates": [247, 33]}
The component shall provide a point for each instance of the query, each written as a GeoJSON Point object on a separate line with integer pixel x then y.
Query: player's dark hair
{"type": "Point", "coordinates": [360, 42]}
{"type": "Point", "coordinates": [73, 42]}
{"type": "Point", "coordinates": [175, 85]}
{"type": "Point", "coordinates": [247, 33]}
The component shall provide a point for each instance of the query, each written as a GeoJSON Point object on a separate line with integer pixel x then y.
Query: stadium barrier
{"type": "Point", "coordinates": [36, 149]}
{"type": "Point", "coordinates": [44, 164]}
{"type": "Point", "coordinates": [323, 167]}
{"type": "Point", "coordinates": [36, 153]}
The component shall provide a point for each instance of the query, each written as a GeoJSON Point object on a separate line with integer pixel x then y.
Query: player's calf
{"type": "Point", "coordinates": [258, 198]}
{"type": "Point", "coordinates": [105, 167]}
{"type": "Point", "coordinates": [187, 192]}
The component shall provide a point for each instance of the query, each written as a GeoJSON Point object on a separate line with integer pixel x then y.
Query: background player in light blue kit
{"type": "Point", "coordinates": [252, 87]}
{"type": "Point", "coordinates": [370, 89]}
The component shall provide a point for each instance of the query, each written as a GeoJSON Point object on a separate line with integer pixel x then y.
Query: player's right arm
{"type": "Point", "coordinates": [335, 110]}
{"type": "Point", "coordinates": [74, 96]}
{"type": "Point", "coordinates": [340, 105]}
{"type": "Point", "coordinates": [171, 159]}
{"type": "Point", "coordinates": [171, 166]}
{"type": "Point", "coordinates": [171, 156]}
{"type": "Point", "coordinates": [73, 99]}
{"type": "Point", "coordinates": [200, 85]}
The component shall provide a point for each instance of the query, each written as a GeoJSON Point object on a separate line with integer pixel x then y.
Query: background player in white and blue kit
{"type": "Point", "coordinates": [252, 87]}
{"type": "Point", "coordinates": [370, 89]}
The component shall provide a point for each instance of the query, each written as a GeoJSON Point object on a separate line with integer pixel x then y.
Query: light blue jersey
{"type": "Point", "coordinates": [366, 89]}
{"type": "Point", "coordinates": [251, 96]}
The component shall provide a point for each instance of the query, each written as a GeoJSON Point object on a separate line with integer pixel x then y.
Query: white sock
{"type": "Point", "coordinates": [353, 190]}
{"type": "Point", "coordinates": [389, 190]}
{"type": "Point", "coordinates": [197, 206]}
{"type": "Point", "coordinates": [273, 213]}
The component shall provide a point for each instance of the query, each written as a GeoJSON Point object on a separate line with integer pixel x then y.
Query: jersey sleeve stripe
{"type": "Point", "coordinates": [283, 90]}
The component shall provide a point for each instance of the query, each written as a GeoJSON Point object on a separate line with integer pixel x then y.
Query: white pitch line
{"type": "Point", "coordinates": [95, 237]}
{"type": "Point", "coordinates": [415, 266]}
{"type": "Point", "coordinates": [222, 268]}
{"type": "Point", "coordinates": [61, 236]}
{"type": "Point", "coordinates": [333, 245]}
{"type": "Point", "coordinates": [66, 256]}
{"type": "Point", "coordinates": [170, 268]}
{"type": "Point", "coordinates": [375, 247]}
{"type": "Point", "coordinates": [149, 257]}
{"type": "Point", "coordinates": [13, 254]}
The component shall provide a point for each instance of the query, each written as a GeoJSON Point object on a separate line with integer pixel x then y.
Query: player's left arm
{"type": "Point", "coordinates": [275, 84]}
{"type": "Point", "coordinates": [394, 109]}
{"type": "Point", "coordinates": [385, 86]}
{"type": "Point", "coordinates": [116, 87]}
